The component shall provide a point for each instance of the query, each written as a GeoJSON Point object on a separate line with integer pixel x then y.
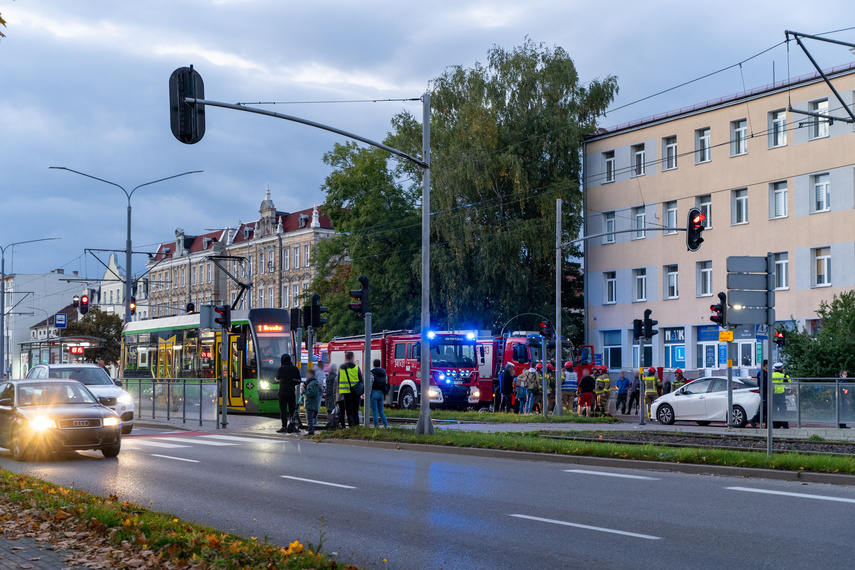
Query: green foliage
{"type": "Point", "coordinates": [831, 349]}
{"type": "Point", "coordinates": [99, 324]}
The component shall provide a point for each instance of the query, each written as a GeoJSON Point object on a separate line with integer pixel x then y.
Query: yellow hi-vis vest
{"type": "Point", "coordinates": [347, 378]}
{"type": "Point", "coordinates": [650, 385]}
{"type": "Point", "coordinates": [778, 379]}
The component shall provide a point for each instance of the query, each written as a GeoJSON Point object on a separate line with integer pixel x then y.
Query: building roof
{"type": "Point", "coordinates": [723, 101]}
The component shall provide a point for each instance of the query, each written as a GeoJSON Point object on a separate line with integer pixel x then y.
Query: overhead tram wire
{"type": "Point", "coordinates": [328, 102]}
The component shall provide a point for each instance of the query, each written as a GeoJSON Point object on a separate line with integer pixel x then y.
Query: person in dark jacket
{"type": "Point", "coordinates": [288, 378]}
{"type": "Point", "coordinates": [331, 397]}
{"type": "Point", "coordinates": [587, 386]}
{"type": "Point", "coordinates": [379, 389]}
{"type": "Point", "coordinates": [506, 387]}
{"type": "Point", "coordinates": [312, 399]}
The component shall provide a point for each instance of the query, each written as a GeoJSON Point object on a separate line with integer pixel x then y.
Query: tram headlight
{"type": "Point", "coordinates": [264, 385]}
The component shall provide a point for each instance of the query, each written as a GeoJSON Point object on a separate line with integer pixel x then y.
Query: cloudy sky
{"type": "Point", "coordinates": [83, 84]}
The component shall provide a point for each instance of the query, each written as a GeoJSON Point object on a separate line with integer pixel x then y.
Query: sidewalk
{"type": "Point", "coordinates": [25, 552]}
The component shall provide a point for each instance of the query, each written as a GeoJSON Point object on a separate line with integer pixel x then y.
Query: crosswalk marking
{"type": "Point", "coordinates": [610, 474]}
{"type": "Point", "coordinates": [152, 443]}
{"type": "Point", "coordinates": [238, 438]}
{"type": "Point", "coordinates": [198, 440]}
{"type": "Point", "coordinates": [175, 458]}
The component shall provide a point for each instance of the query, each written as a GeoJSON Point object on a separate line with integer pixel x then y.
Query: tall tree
{"type": "Point", "coordinates": [99, 324]}
{"type": "Point", "coordinates": [505, 143]}
{"type": "Point", "coordinates": [831, 348]}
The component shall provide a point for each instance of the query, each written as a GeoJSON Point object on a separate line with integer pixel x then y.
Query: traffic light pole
{"type": "Point", "coordinates": [543, 362]}
{"type": "Point", "coordinates": [559, 344]}
{"type": "Point", "coordinates": [642, 387]}
{"type": "Point", "coordinates": [224, 380]}
{"type": "Point", "coordinates": [730, 384]}
{"type": "Point", "coordinates": [366, 371]}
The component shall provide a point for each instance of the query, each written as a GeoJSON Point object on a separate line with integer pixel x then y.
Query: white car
{"type": "Point", "coordinates": [98, 382]}
{"type": "Point", "coordinates": [705, 400]}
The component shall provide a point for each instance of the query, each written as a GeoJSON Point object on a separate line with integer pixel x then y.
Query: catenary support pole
{"type": "Point", "coordinates": [424, 425]}
{"type": "Point", "coordinates": [545, 385]}
{"type": "Point", "coordinates": [224, 376]}
{"type": "Point", "coordinates": [642, 385]}
{"type": "Point", "coordinates": [559, 341]}
{"type": "Point", "coordinates": [730, 384]}
{"type": "Point", "coordinates": [770, 322]}
{"type": "Point", "coordinates": [366, 371]}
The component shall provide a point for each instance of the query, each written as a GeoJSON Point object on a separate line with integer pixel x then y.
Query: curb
{"type": "Point", "coordinates": [689, 468]}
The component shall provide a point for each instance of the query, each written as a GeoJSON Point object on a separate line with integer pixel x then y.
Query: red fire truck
{"type": "Point", "coordinates": [522, 349]}
{"type": "Point", "coordinates": [453, 365]}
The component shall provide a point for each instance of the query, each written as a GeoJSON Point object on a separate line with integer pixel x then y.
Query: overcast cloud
{"type": "Point", "coordinates": [83, 84]}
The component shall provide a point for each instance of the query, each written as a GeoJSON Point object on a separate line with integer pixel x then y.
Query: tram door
{"type": "Point", "coordinates": [235, 383]}
{"type": "Point", "coordinates": [166, 358]}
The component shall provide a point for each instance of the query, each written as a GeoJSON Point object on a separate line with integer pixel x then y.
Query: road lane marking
{"type": "Point", "coordinates": [175, 458]}
{"type": "Point", "coordinates": [197, 440]}
{"type": "Point", "coordinates": [607, 474]}
{"type": "Point", "coordinates": [317, 482]}
{"type": "Point", "coordinates": [242, 439]}
{"type": "Point", "coordinates": [150, 443]}
{"type": "Point", "coordinates": [588, 527]}
{"type": "Point", "coordinates": [788, 494]}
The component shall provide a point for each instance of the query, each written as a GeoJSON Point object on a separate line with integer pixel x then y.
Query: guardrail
{"type": "Point", "coordinates": [189, 399]}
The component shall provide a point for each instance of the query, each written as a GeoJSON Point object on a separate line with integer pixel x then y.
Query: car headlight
{"type": "Point", "coordinates": [41, 424]}
{"type": "Point", "coordinates": [476, 394]}
{"type": "Point", "coordinates": [433, 393]}
{"type": "Point", "coordinates": [125, 399]}
{"type": "Point", "coordinates": [108, 422]}
{"type": "Point", "coordinates": [264, 385]}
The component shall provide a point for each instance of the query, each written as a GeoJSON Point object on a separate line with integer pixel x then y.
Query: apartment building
{"type": "Point", "coordinates": [768, 179]}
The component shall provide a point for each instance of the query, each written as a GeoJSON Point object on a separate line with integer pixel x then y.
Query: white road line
{"type": "Point", "coordinates": [607, 474]}
{"type": "Point", "coordinates": [151, 443]}
{"type": "Point", "coordinates": [786, 494]}
{"type": "Point", "coordinates": [124, 447]}
{"type": "Point", "coordinates": [317, 482]}
{"type": "Point", "coordinates": [196, 440]}
{"type": "Point", "coordinates": [587, 527]}
{"type": "Point", "coordinates": [175, 458]}
{"type": "Point", "coordinates": [243, 439]}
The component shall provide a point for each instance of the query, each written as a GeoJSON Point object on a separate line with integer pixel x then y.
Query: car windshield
{"type": "Point", "coordinates": [52, 394]}
{"type": "Point", "coordinates": [452, 355]}
{"type": "Point", "coordinates": [698, 386]}
{"type": "Point", "coordinates": [91, 376]}
{"type": "Point", "coordinates": [720, 384]}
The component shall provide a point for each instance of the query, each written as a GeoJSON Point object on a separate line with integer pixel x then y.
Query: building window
{"type": "Point", "coordinates": [782, 270]}
{"type": "Point", "coordinates": [611, 287]}
{"type": "Point", "coordinates": [702, 145]}
{"type": "Point", "coordinates": [286, 296]}
{"type": "Point", "coordinates": [705, 206]}
{"type": "Point", "coordinates": [640, 222]}
{"type": "Point", "coordinates": [610, 227]}
{"type": "Point", "coordinates": [738, 137]}
{"type": "Point", "coordinates": [270, 297]}
{"type": "Point", "coordinates": [612, 357]}
{"type": "Point", "coordinates": [672, 282]}
{"type": "Point", "coordinates": [778, 128]}
{"type": "Point", "coordinates": [262, 267]}
{"type": "Point", "coordinates": [209, 271]}
{"type": "Point", "coordinates": [671, 217]}
{"type": "Point", "coordinates": [819, 126]}
{"type": "Point", "coordinates": [640, 277]}
{"type": "Point", "coordinates": [669, 150]}
{"type": "Point", "coordinates": [609, 158]}
{"type": "Point", "coordinates": [286, 259]}
{"type": "Point", "coordinates": [193, 274]}
{"type": "Point", "coordinates": [821, 193]}
{"type": "Point", "coordinates": [296, 257]}
{"type": "Point", "coordinates": [638, 160]}
{"type": "Point", "coordinates": [261, 297]}
{"type": "Point", "coordinates": [295, 295]}
{"type": "Point", "coordinates": [822, 258]}
{"type": "Point", "coordinates": [175, 279]}
{"type": "Point", "coordinates": [704, 278]}
{"type": "Point", "coordinates": [271, 261]}
{"type": "Point", "coordinates": [307, 253]}
{"type": "Point", "coordinates": [739, 206]}
{"type": "Point", "coordinates": [778, 200]}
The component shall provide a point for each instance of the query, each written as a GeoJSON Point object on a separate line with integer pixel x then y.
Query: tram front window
{"type": "Point", "coordinates": [271, 348]}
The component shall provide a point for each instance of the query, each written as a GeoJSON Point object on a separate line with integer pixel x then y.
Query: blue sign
{"type": "Point", "coordinates": [761, 332]}
{"type": "Point", "coordinates": [722, 355]}
{"type": "Point", "coordinates": [708, 333]}
{"type": "Point", "coordinates": [60, 322]}
{"type": "Point", "coordinates": [598, 360]}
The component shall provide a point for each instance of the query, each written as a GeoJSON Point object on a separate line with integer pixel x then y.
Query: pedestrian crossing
{"type": "Point", "coordinates": [185, 440]}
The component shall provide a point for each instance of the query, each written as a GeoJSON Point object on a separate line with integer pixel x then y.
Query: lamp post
{"type": "Point", "coordinates": [128, 249]}
{"type": "Point", "coordinates": [3, 299]}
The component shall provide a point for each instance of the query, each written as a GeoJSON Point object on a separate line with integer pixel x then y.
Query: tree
{"type": "Point", "coordinates": [831, 348]}
{"type": "Point", "coordinates": [505, 143]}
{"type": "Point", "coordinates": [100, 325]}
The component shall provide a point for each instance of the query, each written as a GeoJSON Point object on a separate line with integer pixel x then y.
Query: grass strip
{"type": "Point", "coordinates": [502, 417]}
{"type": "Point", "coordinates": [529, 441]}
{"type": "Point", "coordinates": [121, 534]}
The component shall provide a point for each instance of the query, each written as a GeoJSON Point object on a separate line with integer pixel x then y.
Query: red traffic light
{"type": "Point", "coordinates": [84, 304]}
{"type": "Point", "coordinates": [699, 219]}
{"type": "Point", "coordinates": [694, 229]}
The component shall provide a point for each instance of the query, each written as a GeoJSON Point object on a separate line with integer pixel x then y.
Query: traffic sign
{"type": "Point", "coordinates": [59, 320]}
{"type": "Point", "coordinates": [725, 336]}
{"type": "Point", "coordinates": [749, 316]}
{"type": "Point", "coordinates": [745, 264]}
{"type": "Point", "coordinates": [749, 281]}
{"type": "Point", "coordinates": [751, 299]}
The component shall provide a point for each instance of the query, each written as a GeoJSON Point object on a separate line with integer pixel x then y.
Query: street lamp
{"type": "Point", "coordinates": [3, 298]}
{"type": "Point", "coordinates": [128, 249]}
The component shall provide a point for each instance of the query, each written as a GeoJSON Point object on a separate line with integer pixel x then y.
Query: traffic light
{"type": "Point", "coordinates": [694, 229]}
{"type": "Point", "coordinates": [187, 120]}
{"type": "Point", "coordinates": [225, 315]}
{"type": "Point", "coordinates": [360, 295]}
{"type": "Point", "coordinates": [637, 329]}
{"type": "Point", "coordinates": [649, 323]}
{"type": "Point", "coordinates": [84, 304]}
{"type": "Point", "coordinates": [307, 317]}
{"type": "Point", "coordinates": [191, 307]}
{"type": "Point", "coordinates": [719, 315]}
{"type": "Point", "coordinates": [75, 301]}
{"type": "Point", "coordinates": [546, 329]}
{"type": "Point", "coordinates": [133, 305]}
{"type": "Point", "coordinates": [317, 311]}
{"type": "Point", "coordinates": [780, 338]}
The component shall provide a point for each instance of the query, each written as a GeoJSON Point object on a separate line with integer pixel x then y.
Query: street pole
{"type": "Point", "coordinates": [224, 380]}
{"type": "Point", "coordinates": [366, 370]}
{"type": "Point", "coordinates": [770, 322]}
{"type": "Point", "coordinates": [642, 387]}
{"type": "Point", "coordinates": [730, 384]}
{"type": "Point", "coordinates": [559, 344]}
{"type": "Point", "coordinates": [424, 425]}
{"type": "Point", "coordinates": [543, 362]}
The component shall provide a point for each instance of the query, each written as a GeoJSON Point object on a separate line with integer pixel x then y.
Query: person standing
{"type": "Point", "coordinates": [779, 396]}
{"type": "Point", "coordinates": [587, 385]}
{"type": "Point", "coordinates": [506, 387]}
{"type": "Point", "coordinates": [379, 389]}
{"type": "Point", "coordinates": [521, 383]}
{"type": "Point", "coordinates": [568, 388]}
{"type": "Point", "coordinates": [679, 380]}
{"type": "Point", "coordinates": [634, 392]}
{"type": "Point", "coordinates": [762, 376]}
{"type": "Point", "coordinates": [288, 378]}
{"type": "Point", "coordinates": [312, 400]}
{"type": "Point", "coordinates": [622, 392]}
{"type": "Point", "coordinates": [349, 375]}
{"type": "Point", "coordinates": [651, 391]}
{"type": "Point", "coordinates": [666, 384]}
{"type": "Point", "coordinates": [607, 390]}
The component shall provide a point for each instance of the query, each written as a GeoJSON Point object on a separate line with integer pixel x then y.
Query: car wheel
{"type": "Point", "coordinates": [407, 399]}
{"type": "Point", "coordinates": [111, 450]}
{"type": "Point", "coordinates": [19, 452]}
{"type": "Point", "coordinates": [127, 429]}
{"type": "Point", "coordinates": [665, 415]}
{"type": "Point", "coordinates": [738, 417]}
{"type": "Point", "coordinates": [703, 423]}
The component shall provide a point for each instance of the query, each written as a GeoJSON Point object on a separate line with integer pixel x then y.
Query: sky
{"type": "Point", "coordinates": [84, 85]}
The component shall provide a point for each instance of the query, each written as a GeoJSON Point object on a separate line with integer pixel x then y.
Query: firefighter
{"type": "Point", "coordinates": [607, 389]}
{"type": "Point", "coordinates": [568, 388]}
{"type": "Point", "coordinates": [679, 380]}
{"type": "Point", "coordinates": [651, 390]}
{"type": "Point", "coordinates": [779, 394]}
{"type": "Point", "coordinates": [598, 390]}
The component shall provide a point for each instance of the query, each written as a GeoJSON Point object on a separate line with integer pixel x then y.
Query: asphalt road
{"type": "Point", "coordinates": [427, 510]}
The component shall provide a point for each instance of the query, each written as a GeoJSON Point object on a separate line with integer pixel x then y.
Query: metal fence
{"type": "Point", "coordinates": [816, 402]}
{"type": "Point", "coordinates": [187, 399]}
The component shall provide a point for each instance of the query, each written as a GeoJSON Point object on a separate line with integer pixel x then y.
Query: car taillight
{"type": "Point", "coordinates": [755, 390]}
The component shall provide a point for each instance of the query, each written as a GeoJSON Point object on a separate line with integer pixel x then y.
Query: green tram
{"type": "Point", "coordinates": [176, 348]}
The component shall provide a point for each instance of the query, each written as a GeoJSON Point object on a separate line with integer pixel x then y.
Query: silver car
{"type": "Point", "coordinates": [705, 400]}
